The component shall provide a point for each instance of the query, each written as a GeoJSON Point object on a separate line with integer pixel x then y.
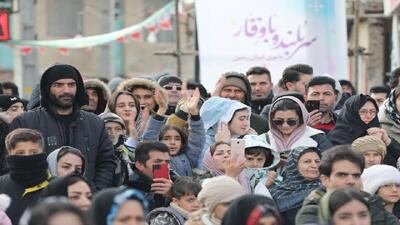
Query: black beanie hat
{"type": "Point", "coordinates": [62, 71]}
{"type": "Point", "coordinates": [6, 101]}
{"type": "Point", "coordinates": [166, 79]}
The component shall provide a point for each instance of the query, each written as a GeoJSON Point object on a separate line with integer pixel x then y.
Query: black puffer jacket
{"type": "Point", "coordinates": [87, 133]}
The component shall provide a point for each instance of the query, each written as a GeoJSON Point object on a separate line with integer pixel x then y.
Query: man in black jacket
{"type": "Point", "coordinates": [156, 190]}
{"type": "Point", "coordinates": [261, 88]}
{"type": "Point", "coordinates": [63, 123]}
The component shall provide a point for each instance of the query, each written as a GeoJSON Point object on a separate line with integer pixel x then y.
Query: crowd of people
{"type": "Point", "coordinates": [162, 150]}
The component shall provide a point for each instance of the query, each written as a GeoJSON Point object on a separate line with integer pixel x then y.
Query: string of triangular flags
{"type": "Point", "coordinates": [160, 20]}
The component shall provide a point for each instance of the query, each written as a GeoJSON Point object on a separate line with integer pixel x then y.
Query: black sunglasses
{"type": "Point", "coordinates": [290, 122]}
{"type": "Point", "coordinates": [168, 87]}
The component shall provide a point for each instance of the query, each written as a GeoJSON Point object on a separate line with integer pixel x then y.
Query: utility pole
{"type": "Point", "coordinates": [178, 50]}
{"type": "Point", "coordinates": [356, 47]}
{"type": "Point", "coordinates": [26, 72]}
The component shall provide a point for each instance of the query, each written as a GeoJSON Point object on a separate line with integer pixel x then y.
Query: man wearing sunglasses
{"type": "Point", "coordinates": [173, 87]}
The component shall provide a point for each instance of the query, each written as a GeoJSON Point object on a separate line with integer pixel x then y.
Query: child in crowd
{"type": "Point", "coordinates": [184, 201]}
{"type": "Point", "coordinates": [384, 181]}
{"type": "Point", "coordinates": [261, 158]}
{"type": "Point", "coordinates": [184, 149]}
{"type": "Point", "coordinates": [216, 195]}
{"type": "Point", "coordinates": [373, 149]}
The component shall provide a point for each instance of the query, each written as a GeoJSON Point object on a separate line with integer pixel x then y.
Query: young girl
{"type": "Point", "coordinates": [384, 181]}
{"type": "Point", "coordinates": [232, 114]}
{"type": "Point", "coordinates": [184, 150]}
{"type": "Point", "coordinates": [343, 206]}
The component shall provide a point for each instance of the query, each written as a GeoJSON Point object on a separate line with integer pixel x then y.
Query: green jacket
{"type": "Point", "coordinates": [379, 216]}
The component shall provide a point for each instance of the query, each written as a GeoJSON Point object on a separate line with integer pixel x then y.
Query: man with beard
{"type": "Point", "coordinates": [124, 156]}
{"type": "Point", "coordinates": [63, 123]}
{"type": "Point", "coordinates": [173, 86]}
{"type": "Point", "coordinates": [322, 89]}
{"type": "Point", "coordinates": [28, 171]}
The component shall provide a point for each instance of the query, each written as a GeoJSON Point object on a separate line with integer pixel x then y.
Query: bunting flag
{"type": "Point", "coordinates": [26, 50]}
{"type": "Point", "coordinates": [152, 23]}
{"type": "Point", "coordinates": [64, 51]}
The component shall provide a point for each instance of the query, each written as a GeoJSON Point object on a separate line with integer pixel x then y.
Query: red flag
{"type": "Point", "coordinates": [64, 51]}
{"type": "Point", "coordinates": [152, 29]}
{"type": "Point", "coordinates": [42, 51]}
{"type": "Point", "coordinates": [26, 50]}
{"type": "Point", "coordinates": [121, 39]}
{"type": "Point", "coordinates": [165, 25]}
{"type": "Point", "coordinates": [136, 35]}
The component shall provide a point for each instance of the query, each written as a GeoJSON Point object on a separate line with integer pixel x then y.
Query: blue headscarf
{"type": "Point", "coordinates": [291, 192]}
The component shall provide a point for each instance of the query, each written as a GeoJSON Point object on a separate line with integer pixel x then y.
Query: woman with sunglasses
{"type": "Point", "coordinates": [358, 118]}
{"type": "Point", "coordinates": [288, 127]}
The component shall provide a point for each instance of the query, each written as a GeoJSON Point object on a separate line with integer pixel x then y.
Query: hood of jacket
{"type": "Point", "coordinates": [133, 83]}
{"type": "Point", "coordinates": [62, 71]}
{"type": "Point", "coordinates": [102, 91]}
{"type": "Point", "coordinates": [252, 141]}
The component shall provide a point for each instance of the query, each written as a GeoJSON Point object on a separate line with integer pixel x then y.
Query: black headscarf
{"type": "Point", "coordinates": [349, 125]}
{"type": "Point", "coordinates": [249, 208]}
{"type": "Point", "coordinates": [62, 71]}
{"type": "Point", "coordinates": [59, 185]}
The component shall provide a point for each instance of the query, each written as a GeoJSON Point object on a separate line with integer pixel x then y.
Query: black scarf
{"type": "Point", "coordinates": [28, 171]}
{"type": "Point", "coordinates": [349, 125]}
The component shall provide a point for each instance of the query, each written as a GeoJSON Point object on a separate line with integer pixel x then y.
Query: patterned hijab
{"type": "Point", "coordinates": [294, 188]}
{"type": "Point", "coordinates": [390, 107]}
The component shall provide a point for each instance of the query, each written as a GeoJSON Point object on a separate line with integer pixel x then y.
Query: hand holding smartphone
{"type": "Point", "coordinates": [161, 171]}
{"type": "Point", "coordinates": [237, 148]}
{"type": "Point", "coordinates": [312, 105]}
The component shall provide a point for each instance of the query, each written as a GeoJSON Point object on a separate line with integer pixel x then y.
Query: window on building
{"type": "Point", "coordinates": [64, 18]}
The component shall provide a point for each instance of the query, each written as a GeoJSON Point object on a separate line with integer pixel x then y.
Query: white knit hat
{"type": "Point", "coordinates": [220, 189]}
{"type": "Point", "coordinates": [376, 176]}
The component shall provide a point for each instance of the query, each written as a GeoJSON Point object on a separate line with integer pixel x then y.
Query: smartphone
{"type": "Point", "coordinates": [161, 171]}
{"type": "Point", "coordinates": [312, 105]}
{"type": "Point", "coordinates": [237, 148]}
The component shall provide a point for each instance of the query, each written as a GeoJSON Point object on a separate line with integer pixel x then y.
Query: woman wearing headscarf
{"type": "Point", "coordinates": [74, 187]}
{"type": "Point", "coordinates": [217, 110]}
{"type": "Point", "coordinates": [113, 205]}
{"type": "Point", "coordinates": [300, 178]}
{"type": "Point", "coordinates": [358, 118]}
{"type": "Point", "coordinates": [288, 127]}
{"type": "Point", "coordinates": [252, 210]}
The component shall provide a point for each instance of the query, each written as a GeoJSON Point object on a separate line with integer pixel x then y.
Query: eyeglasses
{"type": "Point", "coordinates": [365, 112]}
{"type": "Point", "coordinates": [169, 87]}
{"type": "Point", "coordinates": [290, 122]}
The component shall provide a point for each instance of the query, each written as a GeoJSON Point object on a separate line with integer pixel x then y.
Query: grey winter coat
{"type": "Point", "coordinates": [183, 162]}
{"type": "Point", "coordinates": [87, 133]}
